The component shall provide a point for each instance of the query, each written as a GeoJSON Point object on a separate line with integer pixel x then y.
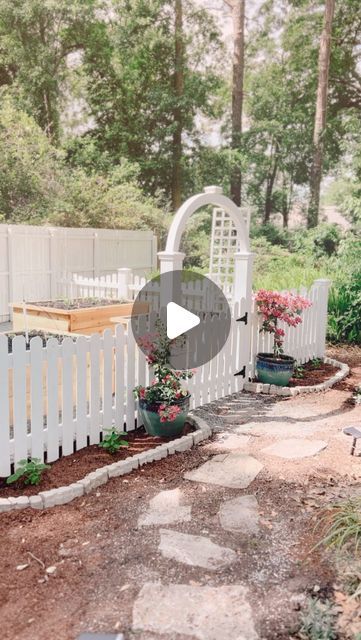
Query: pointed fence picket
{"type": "Point", "coordinates": [58, 398]}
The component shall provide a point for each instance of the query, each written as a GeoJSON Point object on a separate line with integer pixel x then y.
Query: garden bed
{"type": "Point", "coordinates": [82, 315]}
{"type": "Point", "coordinates": [312, 373]}
{"type": "Point", "coordinates": [74, 467]}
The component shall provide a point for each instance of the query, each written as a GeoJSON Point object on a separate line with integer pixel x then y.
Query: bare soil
{"type": "Point", "coordinates": [72, 468]}
{"type": "Point", "coordinates": [311, 374]}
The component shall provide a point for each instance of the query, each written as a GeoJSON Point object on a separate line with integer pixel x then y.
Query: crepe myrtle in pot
{"type": "Point", "coordinates": [275, 307]}
{"type": "Point", "coordinates": [164, 404]}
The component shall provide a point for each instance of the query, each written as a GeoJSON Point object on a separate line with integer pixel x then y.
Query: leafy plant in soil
{"type": "Point", "coordinates": [343, 525]}
{"type": "Point", "coordinates": [30, 471]}
{"type": "Point", "coordinates": [318, 621]}
{"type": "Point", "coordinates": [113, 441]}
{"type": "Point", "coordinates": [299, 371]}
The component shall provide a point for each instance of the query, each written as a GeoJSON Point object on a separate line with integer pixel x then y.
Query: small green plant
{"type": "Point", "coordinates": [343, 525]}
{"type": "Point", "coordinates": [299, 371]}
{"type": "Point", "coordinates": [315, 363]}
{"type": "Point", "coordinates": [318, 621]}
{"type": "Point", "coordinates": [30, 471]}
{"type": "Point", "coordinates": [113, 441]}
{"type": "Point", "coordinates": [357, 395]}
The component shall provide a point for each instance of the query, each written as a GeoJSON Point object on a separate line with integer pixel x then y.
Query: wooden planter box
{"type": "Point", "coordinates": [84, 321]}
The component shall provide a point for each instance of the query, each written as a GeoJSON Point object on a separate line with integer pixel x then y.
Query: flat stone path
{"type": "Point", "coordinates": [222, 612]}
{"type": "Point", "coordinates": [295, 448]}
{"type": "Point", "coordinates": [232, 470]}
{"type": "Point", "coordinates": [202, 612]}
{"type": "Point", "coordinates": [240, 515]}
{"type": "Point", "coordinates": [165, 508]}
{"type": "Point", "coordinates": [196, 551]}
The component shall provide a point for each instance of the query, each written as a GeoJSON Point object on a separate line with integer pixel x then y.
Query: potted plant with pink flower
{"type": "Point", "coordinates": [164, 404]}
{"type": "Point", "coordinates": [275, 307]}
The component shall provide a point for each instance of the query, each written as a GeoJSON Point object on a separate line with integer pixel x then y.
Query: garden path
{"type": "Point", "coordinates": [165, 554]}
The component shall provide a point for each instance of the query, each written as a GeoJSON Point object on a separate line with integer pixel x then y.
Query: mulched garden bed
{"type": "Point", "coordinates": [311, 373]}
{"type": "Point", "coordinates": [77, 303]}
{"type": "Point", "coordinates": [73, 468]}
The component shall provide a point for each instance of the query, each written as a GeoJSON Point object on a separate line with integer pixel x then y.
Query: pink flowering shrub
{"type": "Point", "coordinates": [166, 387]}
{"type": "Point", "coordinates": [275, 307]}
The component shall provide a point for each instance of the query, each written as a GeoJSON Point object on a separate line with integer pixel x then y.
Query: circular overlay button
{"type": "Point", "coordinates": [187, 309]}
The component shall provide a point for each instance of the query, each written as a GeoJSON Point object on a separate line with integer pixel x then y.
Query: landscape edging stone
{"type": "Point", "coordinates": [94, 479]}
{"type": "Point", "coordinates": [273, 390]}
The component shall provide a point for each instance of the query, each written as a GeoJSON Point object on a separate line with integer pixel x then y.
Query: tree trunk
{"type": "Point", "coordinates": [238, 16]}
{"type": "Point", "coordinates": [177, 113]}
{"type": "Point", "coordinates": [320, 117]}
{"type": "Point", "coordinates": [269, 191]}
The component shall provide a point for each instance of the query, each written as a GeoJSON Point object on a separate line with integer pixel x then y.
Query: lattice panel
{"type": "Point", "coordinates": [223, 247]}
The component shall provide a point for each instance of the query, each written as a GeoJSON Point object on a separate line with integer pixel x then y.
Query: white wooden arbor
{"type": "Point", "coordinates": [172, 259]}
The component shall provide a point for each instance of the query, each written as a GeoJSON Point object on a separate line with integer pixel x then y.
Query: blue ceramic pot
{"type": "Point", "coordinates": [151, 419]}
{"type": "Point", "coordinates": [274, 369]}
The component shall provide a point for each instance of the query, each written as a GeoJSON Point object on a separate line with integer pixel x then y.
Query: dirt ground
{"type": "Point", "coordinates": [99, 557]}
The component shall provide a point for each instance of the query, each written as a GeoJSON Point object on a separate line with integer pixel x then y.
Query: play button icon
{"type": "Point", "coordinates": [179, 320]}
{"type": "Point", "coordinates": [189, 310]}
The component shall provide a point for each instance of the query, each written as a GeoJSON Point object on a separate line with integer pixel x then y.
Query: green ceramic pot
{"type": "Point", "coordinates": [274, 369]}
{"type": "Point", "coordinates": [151, 419]}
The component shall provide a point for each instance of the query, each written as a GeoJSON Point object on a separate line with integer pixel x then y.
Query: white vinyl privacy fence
{"type": "Point", "coordinates": [32, 259]}
{"type": "Point", "coordinates": [59, 398]}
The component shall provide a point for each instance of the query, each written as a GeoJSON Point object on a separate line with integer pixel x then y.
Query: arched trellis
{"type": "Point", "coordinates": [172, 259]}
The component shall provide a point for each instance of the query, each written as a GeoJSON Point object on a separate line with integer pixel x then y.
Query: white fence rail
{"type": "Point", "coordinates": [58, 398]}
{"type": "Point", "coordinates": [32, 258]}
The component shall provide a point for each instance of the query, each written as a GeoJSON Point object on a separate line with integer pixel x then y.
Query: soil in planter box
{"type": "Point", "coordinates": [72, 468]}
{"type": "Point", "coordinates": [44, 335]}
{"type": "Point", "coordinates": [77, 303]}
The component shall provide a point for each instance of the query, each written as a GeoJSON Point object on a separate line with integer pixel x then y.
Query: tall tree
{"type": "Point", "coordinates": [238, 20]}
{"type": "Point", "coordinates": [320, 115]}
{"type": "Point", "coordinates": [151, 76]}
{"type": "Point", "coordinates": [36, 37]}
{"type": "Point", "coordinates": [178, 116]}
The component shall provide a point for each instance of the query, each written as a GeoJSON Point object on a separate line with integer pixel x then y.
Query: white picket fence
{"type": "Point", "coordinates": [59, 398]}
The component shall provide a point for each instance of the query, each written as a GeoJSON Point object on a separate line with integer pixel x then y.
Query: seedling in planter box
{"type": "Point", "coordinates": [30, 471]}
{"type": "Point", "coordinates": [113, 441]}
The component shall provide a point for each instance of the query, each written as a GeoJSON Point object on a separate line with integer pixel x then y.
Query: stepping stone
{"type": "Point", "coordinates": [240, 514]}
{"type": "Point", "coordinates": [295, 448]}
{"type": "Point", "coordinates": [196, 551]}
{"type": "Point", "coordinates": [278, 428]}
{"type": "Point", "coordinates": [234, 471]}
{"type": "Point", "coordinates": [229, 443]}
{"type": "Point", "coordinates": [165, 508]}
{"type": "Point", "coordinates": [204, 613]}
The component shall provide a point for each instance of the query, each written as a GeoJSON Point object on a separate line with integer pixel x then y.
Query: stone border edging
{"type": "Point", "coordinates": [272, 389]}
{"type": "Point", "coordinates": [94, 479]}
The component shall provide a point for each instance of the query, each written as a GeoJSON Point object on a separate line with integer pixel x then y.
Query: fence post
{"type": "Point", "coordinates": [322, 287]}
{"type": "Point", "coordinates": [243, 265]}
{"type": "Point", "coordinates": [124, 280]}
{"type": "Point", "coordinates": [52, 265]}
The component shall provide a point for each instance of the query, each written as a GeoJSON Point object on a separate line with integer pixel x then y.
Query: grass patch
{"type": "Point", "coordinates": [343, 525]}
{"type": "Point", "coordinates": [318, 621]}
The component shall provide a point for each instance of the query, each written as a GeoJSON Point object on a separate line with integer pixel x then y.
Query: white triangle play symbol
{"type": "Point", "coordinates": [179, 320]}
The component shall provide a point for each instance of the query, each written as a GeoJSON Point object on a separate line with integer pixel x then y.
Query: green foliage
{"type": "Point", "coordinates": [29, 471]}
{"type": "Point", "coordinates": [342, 524]}
{"type": "Point", "coordinates": [113, 441]}
{"type": "Point", "coordinates": [30, 168]}
{"type": "Point", "coordinates": [345, 295]}
{"type": "Point", "coordinates": [318, 621]}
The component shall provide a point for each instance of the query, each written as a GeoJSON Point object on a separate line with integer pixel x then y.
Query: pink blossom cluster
{"type": "Point", "coordinates": [275, 307]}
{"type": "Point", "coordinates": [148, 342]}
{"type": "Point", "coordinates": [168, 413]}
